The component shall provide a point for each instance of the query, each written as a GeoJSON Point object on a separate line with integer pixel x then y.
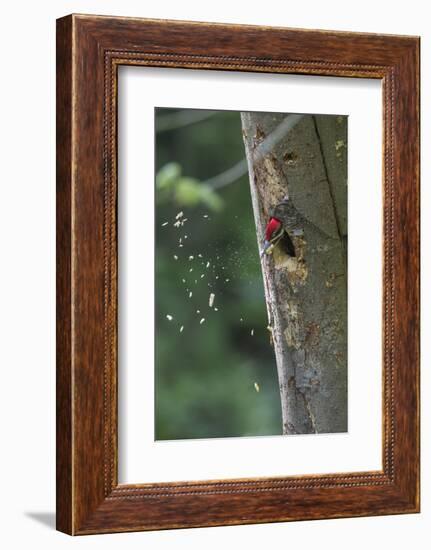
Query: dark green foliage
{"type": "Point", "coordinates": [207, 376]}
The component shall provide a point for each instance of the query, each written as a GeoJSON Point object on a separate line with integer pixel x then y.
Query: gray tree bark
{"type": "Point", "coordinates": [306, 295]}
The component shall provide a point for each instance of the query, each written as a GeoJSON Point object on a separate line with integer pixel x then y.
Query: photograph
{"type": "Point", "coordinates": [250, 273]}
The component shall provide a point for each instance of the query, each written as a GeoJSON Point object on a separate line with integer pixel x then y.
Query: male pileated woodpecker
{"type": "Point", "coordinates": [276, 233]}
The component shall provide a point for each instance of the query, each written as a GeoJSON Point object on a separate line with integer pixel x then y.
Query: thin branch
{"type": "Point", "coordinates": [240, 168]}
{"type": "Point", "coordinates": [228, 176]}
{"type": "Point", "coordinates": [275, 136]}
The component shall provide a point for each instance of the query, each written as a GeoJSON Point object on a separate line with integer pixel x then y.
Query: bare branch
{"type": "Point", "coordinates": [240, 168]}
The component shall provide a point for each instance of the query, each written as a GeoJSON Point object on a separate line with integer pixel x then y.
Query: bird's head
{"type": "Point", "coordinates": [273, 232]}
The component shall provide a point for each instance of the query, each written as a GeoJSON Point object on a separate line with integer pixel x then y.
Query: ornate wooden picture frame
{"type": "Point", "coordinates": [89, 51]}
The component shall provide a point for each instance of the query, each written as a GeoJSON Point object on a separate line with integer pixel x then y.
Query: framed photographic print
{"type": "Point", "coordinates": [237, 274]}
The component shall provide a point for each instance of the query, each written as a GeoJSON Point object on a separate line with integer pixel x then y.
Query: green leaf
{"type": "Point", "coordinates": [168, 175]}
{"type": "Point", "coordinates": [187, 191]}
{"type": "Point", "coordinates": [190, 192]}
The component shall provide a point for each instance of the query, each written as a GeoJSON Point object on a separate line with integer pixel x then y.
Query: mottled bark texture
{"type": "Point", "coordinates": [306, 295]}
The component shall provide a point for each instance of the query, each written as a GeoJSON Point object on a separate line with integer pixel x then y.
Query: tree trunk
{"type": "Point", "coordinates": [306, 295]}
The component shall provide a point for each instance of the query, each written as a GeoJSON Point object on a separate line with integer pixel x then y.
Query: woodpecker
{"type": "Point", "coordinates": [276, 233]}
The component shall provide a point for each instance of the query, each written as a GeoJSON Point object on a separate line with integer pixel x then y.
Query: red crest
{"type": "Point", "coordinates": [273, 225]}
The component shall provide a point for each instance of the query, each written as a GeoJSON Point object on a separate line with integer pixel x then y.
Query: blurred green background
{"type": "Point", "coordinates": [215, 368]}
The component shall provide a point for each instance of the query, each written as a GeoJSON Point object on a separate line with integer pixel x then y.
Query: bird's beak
{"type": "Point", "coordinates": [266, 246]}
